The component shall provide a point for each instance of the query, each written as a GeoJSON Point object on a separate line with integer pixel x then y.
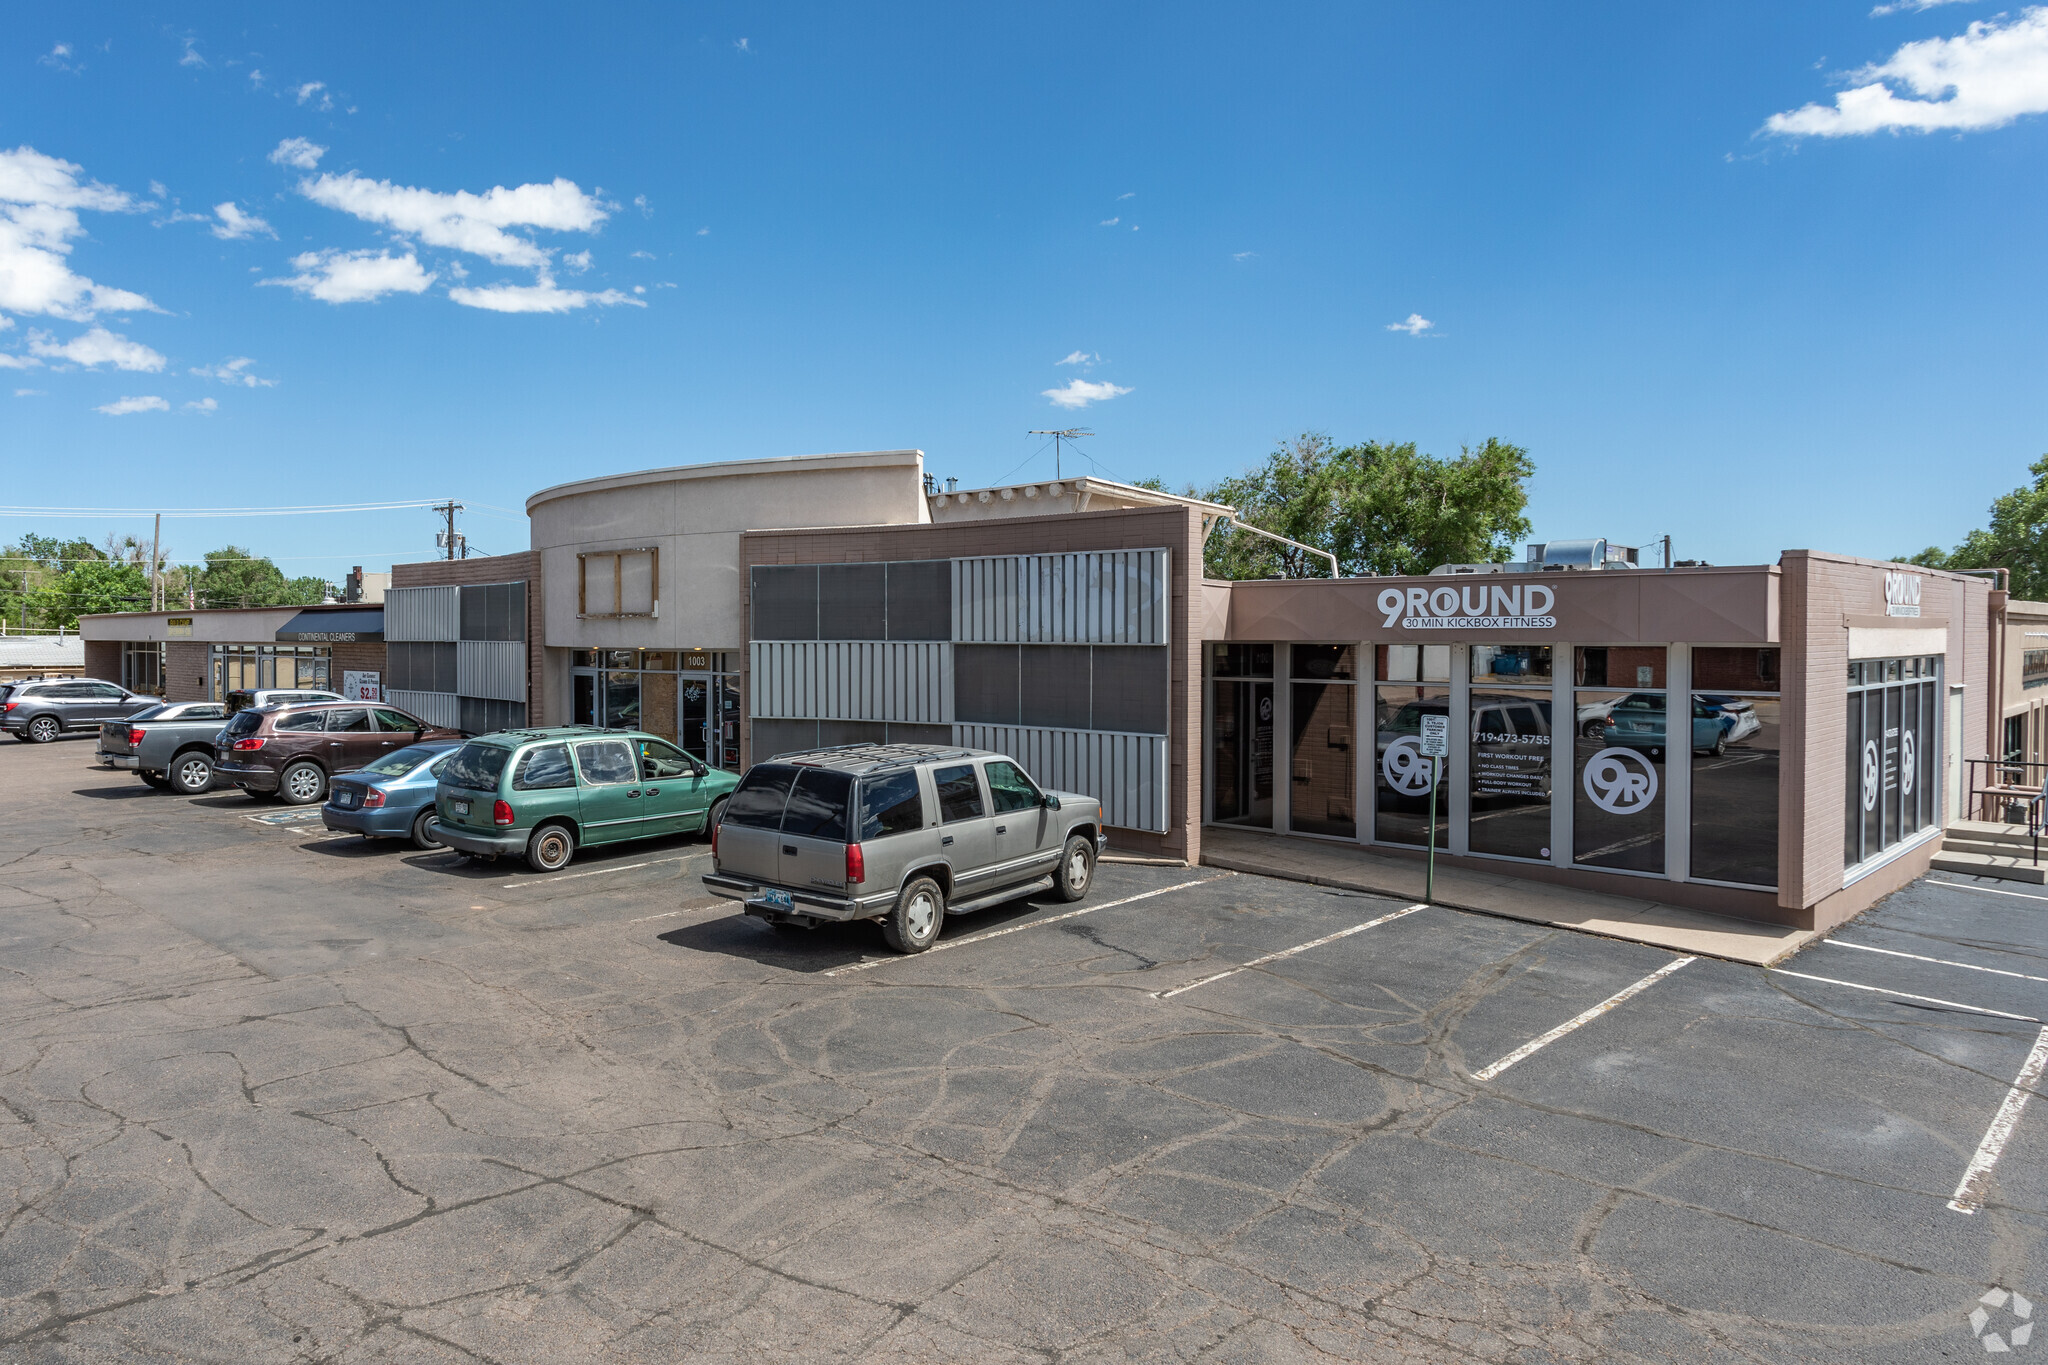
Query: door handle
{"type": "Point", "coordinates": [654, 791]}
{"type": "Point", "coordinates": [1002, 829]}
{"type": "Point", "coordinates": [945, 839]}
{"type": "Point", "coordinates": [789, 849]}
{"type": "Point", "coordinates": [633, 793]}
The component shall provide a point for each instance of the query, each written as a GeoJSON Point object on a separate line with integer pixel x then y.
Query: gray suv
{"type": "Point", "coordinates": [901, 833]}
{"type": "Point", "coordinates": [38, 712]}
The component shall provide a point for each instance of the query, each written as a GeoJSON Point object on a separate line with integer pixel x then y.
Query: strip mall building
{"type": "Point", "coordinates": [1781, 742]}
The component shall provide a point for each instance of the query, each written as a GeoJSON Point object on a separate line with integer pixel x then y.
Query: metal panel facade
{"type": "Point", "coordinates": [492, 669]}
{"type": "Point", "coordinates": [852, 680]}
{"type": "Point", "coordinates": [1127, 773]}
{"type": "Point", "coordinates": [1091, 597]}
{"type": "Point", "coordinates": [435, 708]}
{"type": "Point", "coordinates": [423, 613]}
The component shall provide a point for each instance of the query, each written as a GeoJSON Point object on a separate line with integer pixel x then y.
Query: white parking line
{"type": "Point", "coordinates": [1905, 995]}
{"type": "Point", "coordinates": [1019, 928]}
{"type": "Point", "coordinates": [1990, 891]}
{"type": "Point", "coordinates": [1939, 961]}
{"type": "Point", "coordinates": [1536, 1044]}
{"type": "Point", "coordinates": [1289, 952]}
{"type": "Point", "coordinates": [1969, 1196]}
{"type": "Point", "coordinates": [551, 878]}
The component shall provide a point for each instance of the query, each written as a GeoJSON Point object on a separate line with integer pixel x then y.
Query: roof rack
{"type": "Point", "coordinates": [881, 757]}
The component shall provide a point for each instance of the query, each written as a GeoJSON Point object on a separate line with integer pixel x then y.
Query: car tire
{"type": "Point", "coordinates": [157, 780]}
{"type": "Point", "coordinates": [42, 730]}
{"type": "Point", "coordinates": [1076, 871]}
{"type": "Point", "coordinates": [190, 774]}
{"type": "Point", "coordinates": [422, 837]}
{"type": "Point", "coordinates": [714, 815]}
{"type": "Point", "coordinates": [912, 924]}
{"type": "Point", "coordinates": [301, 784]}
{"type": "Point", "coordinates": [550, 848]}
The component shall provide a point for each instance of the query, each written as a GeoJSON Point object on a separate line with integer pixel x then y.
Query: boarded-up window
{"type": "Point", "coordinates": [620, 583]}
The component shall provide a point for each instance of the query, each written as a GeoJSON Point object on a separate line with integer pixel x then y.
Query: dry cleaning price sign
{"type": "Point", "coordinates": [1436, 736]}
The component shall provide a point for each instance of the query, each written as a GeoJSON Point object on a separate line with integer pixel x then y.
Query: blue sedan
{"type": "Point", "coordinates": [393, 798]}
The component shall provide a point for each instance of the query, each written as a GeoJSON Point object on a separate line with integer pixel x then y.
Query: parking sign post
{"type": "Point", "coordinates": [1436, 747]}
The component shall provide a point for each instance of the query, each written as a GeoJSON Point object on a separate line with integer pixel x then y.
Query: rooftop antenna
{"type": "Point", "coordinates": [1070, 434]}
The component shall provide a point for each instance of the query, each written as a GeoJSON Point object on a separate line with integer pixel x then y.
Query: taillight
{"type": "Point", "coordinates": [501, 813]}
{"type": "Point", "coordinates": [372, 799]}
{"type": "Point", "coordinates": [714, 842]}
{"type": "Point", "coordinates": [856, 865]}
{"type": "Point", "coordinates": [9, 706]}
{"type": "Point", "coordinates": [135, 738]}
{"type": "Point", "coordinates": [245, 745]}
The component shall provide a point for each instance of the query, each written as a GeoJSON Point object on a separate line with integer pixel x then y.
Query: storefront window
{"type": "Point", "coordinates": [1510, 664]}
{"type": "Point", "coordinates": [245, 667]}
{"type": "Point", "coordinates": [1508, 769]}
{"type": "Point", "coordinates": [1735, 716]}
{"type": "Point", "coordinates": [1241, 735]}
{"type": "Point", "coordinates": [1412, 663]}
{"type": "Point", "coordinates": [1323, 753]}
{"type": "Point", "coordinates": [1402, 776]}
{"type": "Point", "coordinates": [688, 697]}
{"type": "Point", "coordinates": [1619, 758]}
{"type": "Point", "coordinates": [1892, 736]}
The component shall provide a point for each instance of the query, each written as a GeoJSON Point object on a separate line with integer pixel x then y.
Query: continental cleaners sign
{"type": "Point", "coordinates": [1526, 606]}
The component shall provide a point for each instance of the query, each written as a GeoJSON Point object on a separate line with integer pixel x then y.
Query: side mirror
{"type": "Point", "coordinates": [1051, 802]}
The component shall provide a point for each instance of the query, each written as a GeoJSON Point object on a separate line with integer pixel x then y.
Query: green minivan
{"type": "Point", "coordinates": [541, 793]}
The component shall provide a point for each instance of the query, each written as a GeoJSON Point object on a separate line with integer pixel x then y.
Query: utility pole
{"type": "Point", "coordinates": [447, 538]}
{"type": "Point", "coordinates": [156, 578]}
{"type": "Point", "coordinates": [1069, 434]}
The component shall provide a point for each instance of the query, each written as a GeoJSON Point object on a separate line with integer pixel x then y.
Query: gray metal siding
{"type": "Point", "coordinates": [852, 680]}
{"type": "Point", "coordinates": [435, 708]}
{"type": "Point", "coordinates": [1125, 772]}
{"type": "Point", "coordinates": [423, 613]}
{"type": "Point", "coordinates": [492, 669]}
{"type": "Point", "coordinates": [1089, 597]}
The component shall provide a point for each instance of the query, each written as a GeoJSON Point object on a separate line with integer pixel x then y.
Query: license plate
{"type": "Point", "coordinates": [776, 900]}
{"type": "Point", "coordinates": [344, 799]}
{"type": "Point", "coordinates": [461, 807]}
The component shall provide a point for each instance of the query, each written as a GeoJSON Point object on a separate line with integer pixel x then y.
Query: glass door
{"type": "Point", "coordinates": [1241, 735]}
{"type": "Point", "coordinates": [693, 716]}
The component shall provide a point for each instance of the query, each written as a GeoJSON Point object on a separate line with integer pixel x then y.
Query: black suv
{"type": "Point", "coordinates": [38, 712]}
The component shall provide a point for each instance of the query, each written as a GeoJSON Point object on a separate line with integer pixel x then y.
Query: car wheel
{"type": "Point", "coordinates": [157, 780]}
{"type": "Point", "coordinates": [301, 784]}
{"type": "Point", "coordinates": [913, 925]}
{"type": "Point", "coordinates": [714, 815]}
{"type": "Point", "coordinates": [550, 849]}
{"type": "Point", "coordinates": [1592, 729]}
{"type": "Point", "coordinates": [42, 730]}
{"type": "Point", "coordinates": [422, 837]}
{"type": "Point", "coordinates": [1070, 880]}
{"type": "Point", "coordinates": [1720, 747]}
{"type": "Point", "coordinates": [191, 774]}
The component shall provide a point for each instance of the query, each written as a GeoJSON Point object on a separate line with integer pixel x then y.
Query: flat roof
{"type": "Point", "coordinates": [726, 469]}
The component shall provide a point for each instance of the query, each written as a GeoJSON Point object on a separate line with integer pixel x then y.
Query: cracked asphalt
{"type": "Point", "coordinates": [273, 1096]}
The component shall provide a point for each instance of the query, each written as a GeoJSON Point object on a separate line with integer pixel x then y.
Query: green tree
{"type": "Point", "coordinates": [235, 578]}
{"type": "Point", "coordinates": [95, 587]}
{"type": "Point", "coordinates": [1379, 508]}
{"type": "Point", "coordinates": [2017, 539]}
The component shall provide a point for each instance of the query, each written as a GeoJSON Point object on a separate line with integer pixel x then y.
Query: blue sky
{"type": "Point", "coordinates": [1649, 243]}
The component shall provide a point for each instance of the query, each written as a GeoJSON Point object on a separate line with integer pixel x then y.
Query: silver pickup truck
{"type": "Point", "coordinates": [901, 833]}
{"type": "Point", "coordinates": [166, 746]}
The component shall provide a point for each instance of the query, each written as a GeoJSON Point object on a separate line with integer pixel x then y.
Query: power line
{"type": "Point", "coordinates": [216, 511]}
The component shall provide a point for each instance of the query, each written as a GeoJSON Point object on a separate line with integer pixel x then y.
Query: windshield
{"type": "Point", "coordinates": [149, 713]}
{"type": "Point", "coordinates": [476, 767]}
{"type": "Point", "coordinates": [245, 723]}
{"type": "Point", "coordinates": [399, 762]}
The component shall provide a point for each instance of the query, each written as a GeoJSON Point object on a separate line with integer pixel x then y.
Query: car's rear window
{"type": "Point", "coordinates": [476, 767]}
{"type": "Point", "coordinates": [817, 807]}
{"type": "Point", "coordinates": [244, 723]}
{"type": "Point", "coordinates": [758, 800]}
{"type": "Point", "coordinates": [399, 762]}
{"type": "Point", "coordinates": [296, 722]}
{"type": "Point", "coordinates": [149, 713]}
{"type": "Point", "coordinates": [890, 805]}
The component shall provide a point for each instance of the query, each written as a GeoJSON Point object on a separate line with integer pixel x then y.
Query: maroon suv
{"type": "Point", "coordinates": [292, 750]}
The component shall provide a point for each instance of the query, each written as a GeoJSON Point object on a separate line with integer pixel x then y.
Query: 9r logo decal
{"type": "Point", "coordinates": [1620, 781]}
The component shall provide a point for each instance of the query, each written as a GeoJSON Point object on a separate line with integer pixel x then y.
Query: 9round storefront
{"type": "Point", "coordinates": [1687, 728]}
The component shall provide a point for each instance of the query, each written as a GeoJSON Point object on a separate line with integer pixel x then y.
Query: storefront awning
{"type": "Point", "coordinates": [338, 627]}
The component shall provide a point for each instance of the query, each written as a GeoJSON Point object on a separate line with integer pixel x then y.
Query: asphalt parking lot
{"type": "Point", "coordinates": [268, 1094]}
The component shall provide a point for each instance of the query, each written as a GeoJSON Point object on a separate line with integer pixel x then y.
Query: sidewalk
{"type": "Point", "coordinates": [1592, 912]}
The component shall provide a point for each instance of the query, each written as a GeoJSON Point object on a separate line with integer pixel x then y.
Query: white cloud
{"type": "Point", "coordinates": [743, 46]}
{"type": "Point", "coordinates": [1127, 194]}
{"type": "Point", "coordinates": [1994, 72]}
{"type": "Point", "coordinates": [315, 92]}
{"type": "Point", "coordinates": [98, 347]}
{"type": "Point", "coordinates": [1079, 358]}
{"type": "Point", "coordinates": [40, 198]}
{"type": "Point", "coordinates": [121, 407]}
{"type": "Point", "coordinates": [204, 405]}
{"type": "Point", "coordinates": [1079, 393]}
{"type": "Point", "coordinates": [1911, 6]}
{"type": "Point", "coordinates": [191, 57]}
{"type": "Point", "coordinates": [256, 77]}
{"type": "Point", "coordinates": [579, 262]}
{"type": "Point", "coordinates": [236, 224]}
{"type": "Point", "coordinates": [234, 370]}
{"type": "Point", "coordinates": [1110, 222]}
{"type": "Point", "coordinates": [1243, 255]}
{"type": "Point", "coordinates": [474, 223]}
{"type": "Point", "coordinates": [543, 297]}
{"type": "Point", "coordinates": [59, 57]}
{"type": "Point", "coordinates": [31, 393]}
{"type": "Point", "coordinates": [640, 203]}
{"type": "Point", "coordinates": [18, 362]}
{"type": "Point", "coordinates": [704, 232]}
{"type": "Point", "coordinates": [355, 276]}
{"type": "Point", "coordinates": [641, 255]}
{"type": "Point", "coordinates": [1415, 326]}
{"type": "Point", "coordinates": [298, 152]}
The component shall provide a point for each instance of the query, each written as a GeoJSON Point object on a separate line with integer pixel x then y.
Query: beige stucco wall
{"type": "Point", "coordinates": [242, 626]}
{"type": "Point", "coordinates": [694, 515]}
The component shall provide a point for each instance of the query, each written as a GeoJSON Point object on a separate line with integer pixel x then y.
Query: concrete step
{"type": "Point", "coordinates": [1986, 829]}
{"type": "Point", "coordinates": [1998, 848]}
{"type": "Point", "coordinates": [1988, 865]}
